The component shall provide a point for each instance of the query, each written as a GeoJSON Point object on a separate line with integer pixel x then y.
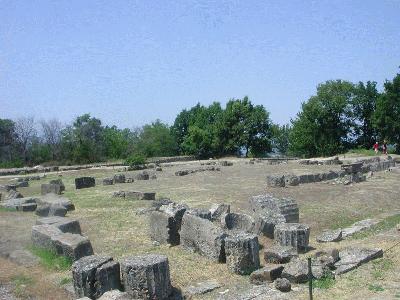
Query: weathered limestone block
{"type": "Point", "coordinates": [279, 254]}
{"type": "Point", "coordinates": [226, 163]}
{"type": "Point", "coordinates": [358, 227]}
{"type": "Point", "coordinates": [13, 194]}
{"type": "Point", "coordinates": [296, 271]}
{"type": "Point", "coordinates": [47, 188]}
{"type": "Point", "coordinates": [292, 234]}
{"type": "Point", "coordinates": [119, 178]}
{"type": "Point", "coordinates": [200, 288]}
{"type": "Point", "coordinates": [14, 203]}
{"type": "Point", "coordinates": [57, 210]}
{"type": "Point", "coordinates": [42, 236]}
{"type": "Point", "coordinates": [146, 276]}
{"type": "Point", "coordinates": [242, 253]}
{"type": "Point", "coordinates": [115, 295]}
{"type": "Point", "coordinates": [351, 258]}
{"type": "Point", "coordinates": [275, 181]}
{"type": "Point", "coordinates": [283, 285]}
{"type": "Point", "coordinates": [74, 246]}
{"type": "Point", "coordinates": [218, 210]}
{"type": "Point", "coordinates": [330, 236]}
{"type": "Point", "coordinates": [200, 212]}
{"type": "Point", "coordinates": [84, 182]}
{"type": "Point", "coordinates": [239, 222]}
{"type": "Point", "coordinates": [265, 223]}
{"type": "Point", "coordinates": [165, 224]}
{"type": "Point", "coordinates": [94, 275]}
{"type": "Point", "coordinates": [291, 180]}
{"type": "Point", "coordinates": [59, 182]}
{"type": "Point", "coordinates": [26, 207]}
{"type": "Point", "coordinates": [140, 195]}
{"type": "Point", "coordinates": [142, 176]}
{"type": "Point", "coordinates": [267, 203]}
{"type": "Point", "coordinates": [108, 181]}
{"type": "Point", "coordinates": [55, 199]}
{"type": "Point", "coordinates": [65, 225]}
{"type": "Point", "coordinates": [203, 236]}
{"type": "Point", "coordinates": [268, 273]}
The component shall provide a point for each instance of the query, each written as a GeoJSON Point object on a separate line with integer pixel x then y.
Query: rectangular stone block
{"type": "Point", "coordinates": [42, 236]}
{"type": "Point", "coordinates": [65, 225]}
{"type": "Point", "coordinates": [47, 188]}
{"type": "Point", "coordinates": [84, 182]}
{"type": "Point", "coordinates": [242, 253]}
{"type": "Point", "coordinates": [202, 236]}
{"type": "Point", "coordinates": [293, 234]}
{"type": "Point", "coordinates": [74, 246]}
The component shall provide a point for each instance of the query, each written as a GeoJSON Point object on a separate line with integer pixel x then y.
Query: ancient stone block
{"type": "Point", "coordinates": [57, 210]}
{"type": "Point", "coordinates": [108, 181]}
{"type": "Point", "coordinates": [115, 295]}
{"type": "Point", "coordinates": [218, 210]}
{"type": "Point", "coordinates": [42, 236]}
{"type": "Point", "coordinates": [283, 285]}
{"type": "Point", "coordinates": [142, 176]}
{"type": "Point", "coordinates": [292, 234]}
{"type": "Point", "coordinates": [267, 203]}
{"type": "Point", "coordinates": [48, 188]}
{"type": "Point", "coordinates": [13, 194]}
{"type": "Point", "coordinates": [94, 275]}
{"type": "Point", "coordinates": [53, 199]}
{"type": "Point", "coordinates": [291, 180]}
{"type": "Point", "coordinates": [203, 236]}
{"type": "Point", "coordinates": [84, 182]}
{"type": "Point", "coordinates": [239, 222]}
{"type": "Point", "coordinates": [275, 181]}
{"type": "Point", "coordinates": [14, 203]}
{"type": "Point", "coordinates": [358, 227]}
{"type": "Point", "coordinates": [351, 258]}
{"type": "Point", "coordinates": [200, 288]}
{"type": "Point", "coordinates": [140, 195]}
{"type": "Point", "coordinates": [27, 207]}
{"type": "Point", "coordinates": [146, 276]}
{"type": "Point", "coordinates": [200, 212]}
{"type": "Point", "coordinates": [330, 236]}
{"type": "Point", "coordinates": [63, 224]}
{"type": "Point", "coordinates": [265, 223]}
{"type": "Point", "coordinates": [242, 253]}
{"type": "Point", "coordinates": [59, 182]}
{"type": "Point", "coordinates": [268, 273]}
{"type": "Point", "coordinates": [165, 224]}
{"type": "Point", "coordinates": [119, 178]}
{"type": "Point", "coordinates": [279, 254]}
{"type": "Point", "coordinates": [296, 271]}
{"type": "Point", "coordinates": [74, 246]}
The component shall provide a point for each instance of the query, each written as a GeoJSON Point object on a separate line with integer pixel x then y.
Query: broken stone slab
{"type": "Point", "coordinates": [291, 180]}
{"type": "Point", "coordinates": [267, 203]}
{"type": "Point", "coordinates": [351, 258]}
{"type": "Point", "coordinates": [242, 253]}
{"type": "Point", "coordinates": [165, 224]}
{"type": "Point", "coordinates": [293, 234]}
{"type": "Point", "coordinates": [218, 210]}
{"type": "Point", "coordinates": [268, 273]}
{"type": "Point", "coordinates": [14, 203]}
{"type": "Point", "coordinates": [140, 195]}
{"type": "Point", "coordinates": [57, 210]}
{"type": "Point", "coordinates": [279, 254]}
{"type": "Point", "coordinates": [129, 179]}
{"type": "Point", "coordinates": [22, 184]}
{"type": "Point", "coordinates": [52, 199]}
{"type": "Point", "coordinates": [238, 222]}
{"type": "Point", "coordinates": [182, 173]}
{"type": "Point", "coordinates": [48, 188]}
{"type": "Point", "coordinates": [283, 285]}
{"type": "Point", "coordinates": [275, 181]}
{"type": "Point", "coordinates": [296, 271]}
{"type": "Point", "coordinates": [142, 176]}
{"type": "Point", "coordinates": [58, 182]}
{"type": "Point", "coordinates": [255, 292]}
{"type": "Point", "coordinates": [13, 194]}
{"type": "Point", "coordinates": [84, 182]}
{"type": "Point", "coordinates": [74, 246]}
{"type": "Point", "coordinates": [330, 236]}
{"type": "Point", "coordinates": [200, 212]}
{"type": "Point", "coordinates": [160, 202]}
{"type": "Point", "coordinates": [115, 295]}
{"type": "Point", "coordinates": [26, 207]}
{"type": "Point", "coordinates": [358, 227]}
{"type": "Point", "coordinates": [200, 288]}
{"type": "Point", "coordinates": [94, 275]}
{"type": "Point", "coordinates": [265, 223]}
{"type": "Point", "coordinates": [65, 225]}
{"type": "Point", "coordinates": [146, 276]}
{"type": "Point", "coordinates": [226, 163]}
{"type": "Point", "coordinates": [108, 181]}
{"type": "Point", "coordinates": [202, 236]}
{"type": "Point", "coordinates": [119, 178]}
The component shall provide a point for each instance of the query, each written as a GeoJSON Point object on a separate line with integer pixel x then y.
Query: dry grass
{"type": "Point", "coordinates": [115, 229]}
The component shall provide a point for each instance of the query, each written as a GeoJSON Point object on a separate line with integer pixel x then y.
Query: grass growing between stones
{"type": "Point", "coordinates": [380, 267]}
{"type": "Point", "coordinates": [51, 260]}
{"type": "Point", "coordinates": [385, 224]}
{"type": "Point", "coordinates": [325, 282]}
{"type": "Point", "coordinates": [375, 288]}
{"type": "Point", "coordinates": [65, 280]}
{"type": "Point", "coordinates": [21, 282]}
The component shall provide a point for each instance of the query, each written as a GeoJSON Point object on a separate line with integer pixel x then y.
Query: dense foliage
{"type": "Point", "coordinates": [340, 116]}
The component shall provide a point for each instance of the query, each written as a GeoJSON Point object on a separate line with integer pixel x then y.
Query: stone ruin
{"type": "Point", "coordinates": [84, 182]}
{"type": "Point", "coordinates": [193, 171]}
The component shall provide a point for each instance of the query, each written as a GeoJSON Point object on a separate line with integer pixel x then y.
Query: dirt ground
{"type": "Point", "coordinates": [115, 229]}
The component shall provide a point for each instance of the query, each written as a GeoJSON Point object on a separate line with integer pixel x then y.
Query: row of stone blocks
{"type": "Point", "coordinates": [62, 236]}
{"type": "Point", "coordinates": [121, 178]}
{"type": "Point", "coordinates": [142, 277]}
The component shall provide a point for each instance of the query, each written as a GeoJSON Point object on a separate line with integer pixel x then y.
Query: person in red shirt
{"type": "Point", "coordinates": [376, 147]}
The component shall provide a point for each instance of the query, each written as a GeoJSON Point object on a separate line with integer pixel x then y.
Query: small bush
{"type": "Point", "coordinates": [325, 282]}
{"type": "Point", "coordinates": [135, 160]}
{"type": "Point", "coordinates": [11, 164]}
{"type": "Point", "coordinates": [52, 260]}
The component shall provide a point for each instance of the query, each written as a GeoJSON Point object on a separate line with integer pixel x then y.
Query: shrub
{"type": "Point", "coordinates": [135, 160]}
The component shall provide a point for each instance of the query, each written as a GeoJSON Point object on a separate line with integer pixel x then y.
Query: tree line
{"type": "Point", "coordinates": [340, 116]}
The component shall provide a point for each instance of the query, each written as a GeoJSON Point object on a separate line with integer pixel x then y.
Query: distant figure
{"type": "Point", "coordinates": [376, 147]}
{"type": "Point", "coordinates": [384, 147]}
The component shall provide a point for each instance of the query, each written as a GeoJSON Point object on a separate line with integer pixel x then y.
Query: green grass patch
{"type": "Point", "coordinates": [343, 221]}
{"type": "Point", "coordinates": [325, 282]}
{"type": "Point", "coordinates": [52, 260]}
{"type": "Point", "coordinates": [20, 282]}
{"type": "Point", "coordinates": [6, 209]}
{"type": "Point", "coordinates": [375, 288]}
{"type": "Point", "coordinates": [65, 280]}
{"type": "Point", "coordinates": [381, 266]}
{"type": "Point", "coordinates": [385, 224]}
{"type": "Point", "coordinates": [362, 151]}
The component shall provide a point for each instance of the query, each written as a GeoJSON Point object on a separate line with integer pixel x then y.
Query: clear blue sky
{"type": "Point", "coordinates": [131, 62]}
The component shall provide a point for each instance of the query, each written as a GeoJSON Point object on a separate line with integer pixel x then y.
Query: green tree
{"type": "Point", "coordinates": [245, 127]}
{"type": "Point", "coordinates": [387, 113]}
{"type": "Point", "coordinates": [280, 138]}
{"type": "Point", "coordinates": [117, 142]}
{"type": "Point", "coordinates": [324, 124]}
{"type": "Point", "coordinates": [364, 105]}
